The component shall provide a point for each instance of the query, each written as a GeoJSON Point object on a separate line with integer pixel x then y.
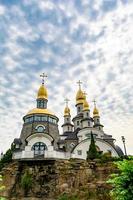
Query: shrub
{"type": "Point", "coordinates": [26, 182]}
{"type": "Point", "coordinates": [123, 182]}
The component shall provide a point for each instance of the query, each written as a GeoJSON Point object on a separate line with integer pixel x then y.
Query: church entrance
{"type": "Point", "coordinates": [39, 149]}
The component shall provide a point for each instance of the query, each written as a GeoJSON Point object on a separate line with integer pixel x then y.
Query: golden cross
{"type": "Point", "coordinates": [66, 101]}
{"type": "Point", "coordinates": [79, 83]}
{"type": "Point", "coordinates": [43, 75]}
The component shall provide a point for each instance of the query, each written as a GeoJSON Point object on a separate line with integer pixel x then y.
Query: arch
{"type": "Point", "coordinates": [103, 146]}
{"type": "Point", "coordinates": [40, 128]}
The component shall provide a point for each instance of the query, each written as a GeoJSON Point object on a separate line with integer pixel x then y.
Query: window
{"type": "Point", "coordinates": [79, 152]}
{"type": "Point", "coordinates": [67, 119]}
{"type": "Point", "coordinates": [77, 123]}
{"type": "Point", "coordinates": [87, 114]}
{"type": "Point", "coordinates": [40, 128]}
{"type": "Point", "coordinates": [29, 119]}
{"type": "Point", "coordinates": [39, 148]}
{"type": "Point", "coordinates": [88, 123]}
{"type": "Point", "coordinates": [72, 145]}
{"type": "Point", "coordinates": [68, 128]}
{"type": "Point", "coordinates": [78, 109]}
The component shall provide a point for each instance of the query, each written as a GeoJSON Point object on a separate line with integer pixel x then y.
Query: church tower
{"type": "Point", "coordinates": [79, 106]}
{"type": "Point", "coordinates": [67, 126]}
{"type": "Point", "coordinates": [96, 118]}
{"type": "Point", "coordinates": [87, 120]}
{"type": "Point", "coordinates": [40, 128]}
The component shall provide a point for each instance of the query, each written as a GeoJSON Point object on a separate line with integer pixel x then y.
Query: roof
{"type": "Point", "coordinates": [119, 151]}
{"type": "Point", "coordinates": [72, 136]}
{"type": "Point", "coordinates": [17, 141]}
{"type": "Point", "coordinates": [40, 111]}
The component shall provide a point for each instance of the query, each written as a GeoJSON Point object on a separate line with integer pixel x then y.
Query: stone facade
{"type": "Point", "coordinates": [50, 179]}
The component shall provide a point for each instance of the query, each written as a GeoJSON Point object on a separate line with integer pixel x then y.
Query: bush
{"type": "Point", "coordinates": [26, 182]}
{"type": "Point", "coordinates": [123, 182]}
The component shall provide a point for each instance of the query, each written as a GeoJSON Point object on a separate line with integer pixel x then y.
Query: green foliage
{"type": "Point", "coordinates": [123, 182]}
{"type": "Point", "coordinates": [26, 181]}
{"type": "Point", "coordinates": [92, 153]}
{"type": "Point", "coordinates": [7, 158]}
{"type": "Point", "coordinates": [2, 187]}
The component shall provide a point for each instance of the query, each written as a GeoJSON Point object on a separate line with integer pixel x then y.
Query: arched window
{"type": "Point", "coordinates": [39, 148]}
{"type": "Point", "coordinates": [40, 128]}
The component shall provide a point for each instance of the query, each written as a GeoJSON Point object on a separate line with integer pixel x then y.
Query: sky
{"type": "Point", "coordinates": [69, 40]}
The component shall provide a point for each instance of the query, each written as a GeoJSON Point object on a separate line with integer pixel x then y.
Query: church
{"type": "Point", "coordinates": [40, 137]}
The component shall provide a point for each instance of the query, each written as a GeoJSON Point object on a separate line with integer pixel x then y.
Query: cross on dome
{"type": "Point", "coordinates": [43, 75]}
{"type": "Point", "coordinates": [66, 101]}
{"type": "Point", "coordinates": [94, 101]}
{"type": "Point", "coordinates": [79, 83]}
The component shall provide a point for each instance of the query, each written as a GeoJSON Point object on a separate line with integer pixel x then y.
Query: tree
{"type": "Point", "coordinates": [92, 153]}
{"type": "Point", "coordinates": [7, 158]}
{"type": "Point", "coordinates": [123, 181]}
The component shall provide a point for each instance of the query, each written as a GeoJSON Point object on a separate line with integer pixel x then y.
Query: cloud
{"type": "Point", "coordinates": [90, 41]}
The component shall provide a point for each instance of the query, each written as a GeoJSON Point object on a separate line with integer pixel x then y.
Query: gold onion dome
{"type": "Point", "coordinates": [80, 96]}
{"type": "Point", "coordinates": [85, 105]}
{"type": "Point", "coordinates": [42, 92]}
{"type": "Point", "coordinates": [67, 111]}
{"type": "Point", "coordinates": [95, 112]}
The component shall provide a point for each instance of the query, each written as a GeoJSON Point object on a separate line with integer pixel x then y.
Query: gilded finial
{"type": "Point", "coordinates": [43, 75]}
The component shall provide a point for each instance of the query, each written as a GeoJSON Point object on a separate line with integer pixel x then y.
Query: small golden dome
{"type": "Point", "coordinates": [95, 112]}
{"type": "Point", "coordinates": [42, 92]}
{"type": "Point", "coordinates": [85, 105]}
{"type": "Point", "coordinates": [67, 111]}
{"type": "Point", "coordinates": [40, 111]}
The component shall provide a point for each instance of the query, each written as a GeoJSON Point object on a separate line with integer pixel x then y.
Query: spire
{"type": "Point", "coordinates": [67, 109]}
{"type": "Point", "coordinates": [42, 92]}
{"type": "Point", "coordinates": [95, 111]}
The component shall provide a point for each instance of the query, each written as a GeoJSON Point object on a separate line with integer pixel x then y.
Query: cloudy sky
{"type": "Point", "coordinates": [70, 40]}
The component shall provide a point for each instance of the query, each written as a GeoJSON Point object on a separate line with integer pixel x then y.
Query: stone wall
{"type": "Point", "coordinates": [52, 178]}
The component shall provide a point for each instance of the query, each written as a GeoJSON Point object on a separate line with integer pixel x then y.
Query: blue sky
{"type": "Point", "coordinates": [90, 40]}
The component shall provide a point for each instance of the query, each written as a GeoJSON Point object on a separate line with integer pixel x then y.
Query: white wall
{"type": "Point", "coordinates": [84, 147]}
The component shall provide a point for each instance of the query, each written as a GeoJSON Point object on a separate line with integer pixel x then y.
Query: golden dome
{"type": "Point", "coordinates": [80, 97]}
{"type": "Point", "coordinates": [95, 112]}
{"type": "Point", "coordinates": [40, 111]}
{"type": "Point", "coordinates": [85, 105]}
{"type": "Point", "coordinates": [67, 111]}
{"type": "Point", "coordinates": [42, 92]}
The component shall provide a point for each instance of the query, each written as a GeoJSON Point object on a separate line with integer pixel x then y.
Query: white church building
{"type": "Point", "coordinates": [40, 137]}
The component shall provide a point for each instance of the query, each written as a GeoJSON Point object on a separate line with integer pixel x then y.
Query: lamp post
{"type": "Point", "coordinates": [123, 140]}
